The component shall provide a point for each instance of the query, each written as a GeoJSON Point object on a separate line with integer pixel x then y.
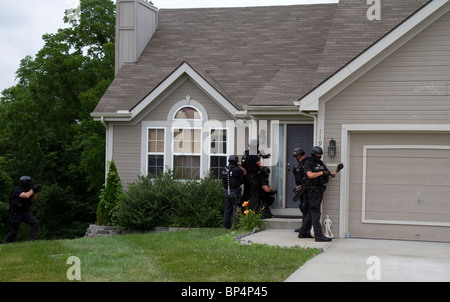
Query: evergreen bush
{"type": "Point", "coordinates": [109, 197]}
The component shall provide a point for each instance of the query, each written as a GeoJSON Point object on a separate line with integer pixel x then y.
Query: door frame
{"type": "Point", "coordinates": [284, 211]}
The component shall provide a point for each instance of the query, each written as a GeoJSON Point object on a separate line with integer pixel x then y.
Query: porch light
{"type": "Point", "coordinates": [332, 148]}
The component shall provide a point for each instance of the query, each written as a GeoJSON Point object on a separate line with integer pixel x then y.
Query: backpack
{"type": "Point", "coordinates": [244, 160]}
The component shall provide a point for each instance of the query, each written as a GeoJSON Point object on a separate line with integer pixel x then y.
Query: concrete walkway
{"type": "Point", "coordinates": [364, 260]}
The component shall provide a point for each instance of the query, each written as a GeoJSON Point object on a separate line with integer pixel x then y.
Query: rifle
{"type": "Point", "coordinates": [299, 193]}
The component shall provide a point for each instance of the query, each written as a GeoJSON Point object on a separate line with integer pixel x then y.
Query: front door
{"type": "Point", "coordinates": [298, 136]}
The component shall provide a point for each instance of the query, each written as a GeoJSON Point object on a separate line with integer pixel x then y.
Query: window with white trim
{"type": "Point", "coordinates": [187, 146]}
{"type": "Point", "coordinates": [218, 151]}
{"type": "Point", "coordinates": [155, 151]}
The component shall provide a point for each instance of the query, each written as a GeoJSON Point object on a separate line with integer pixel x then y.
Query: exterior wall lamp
{"type": "Point", "coordinates": [332, 148]}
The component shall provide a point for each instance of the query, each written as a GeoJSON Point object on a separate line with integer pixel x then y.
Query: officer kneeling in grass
{"type": "Point", "coordinates": [232, 181]}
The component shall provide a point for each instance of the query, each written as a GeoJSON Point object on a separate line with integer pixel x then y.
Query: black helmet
{"type": "Point", "coordinates": [25, 183]}
{"type": "Point", "coordinates": [316, 151]}
{"type": "Point", "coordinates": [233, 159]}
{"type": "Point", "coordinates": [265, 170]}
{"type": "Point", "coordinates": [298, 151]}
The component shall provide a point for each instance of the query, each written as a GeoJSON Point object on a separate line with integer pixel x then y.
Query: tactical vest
{"type": "Point", "coordinates": [228, 178]}
{"type": "Point", "coordinates": [317, 166]}
{"type": "Point", "coordinates": [299, 174]}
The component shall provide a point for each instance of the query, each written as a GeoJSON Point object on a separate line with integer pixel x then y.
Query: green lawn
{"type": "Point", "coordinates": [199, 255]}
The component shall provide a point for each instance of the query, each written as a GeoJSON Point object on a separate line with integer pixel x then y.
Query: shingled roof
{"type": "Point", "coordinates": [255, 55]}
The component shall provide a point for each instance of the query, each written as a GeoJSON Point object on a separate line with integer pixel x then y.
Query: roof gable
{"type": "Point", "coordinates": [181, 72]}
{"type": "Point", "coordinates": [382, 48]}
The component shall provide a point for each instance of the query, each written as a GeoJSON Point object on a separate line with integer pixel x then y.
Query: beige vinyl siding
{"type": "Point", "coordinates": [127, 152]}
{"type": "Point", "coordinates": [411, 86]}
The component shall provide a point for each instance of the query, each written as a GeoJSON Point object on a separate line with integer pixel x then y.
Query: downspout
{"type": "Point", "coordinates": [102, 120]}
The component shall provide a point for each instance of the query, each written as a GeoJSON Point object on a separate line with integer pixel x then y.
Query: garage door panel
{"type": "Point", "coordinates": [412, 199]}
{"type": "Point", "coordinates": [405, 166]}
{"type": "Point", "coordinates": [404, 191]}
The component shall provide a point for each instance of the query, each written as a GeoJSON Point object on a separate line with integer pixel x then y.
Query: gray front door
{"type": "Point", "coordinates": [298, 136]}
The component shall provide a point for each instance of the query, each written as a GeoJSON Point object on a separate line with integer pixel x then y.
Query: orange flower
{"type": "Point", "coordinates": [246, 212]}
{"type": "Point", "coordinates": [245, 203]}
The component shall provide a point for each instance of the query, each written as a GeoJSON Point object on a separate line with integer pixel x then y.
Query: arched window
{"type": "Point", "coordinates": [188, 113]}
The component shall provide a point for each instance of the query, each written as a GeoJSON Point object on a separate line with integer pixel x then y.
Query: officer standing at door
{"type": "Point", "coordinates": [232, 181]}
{"type": "Point", "coordinates": [302, 190]}
{"type": "Point", "coordinates": [317, 175]}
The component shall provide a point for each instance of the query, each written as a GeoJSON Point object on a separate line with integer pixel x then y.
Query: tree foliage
{"type": "Point", "coordinates": [45, 127]}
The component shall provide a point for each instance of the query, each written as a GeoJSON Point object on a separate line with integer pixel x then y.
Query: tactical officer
{"type": "Point", "coordinates": [317, 175]}
{"type": "Point", "coordinates": [20, 205]}
{"type": "Point", "coordinates": [252, 162]}
{"type": "Point", "coordinates": [301, 189]}
{"type": "Point", "coordinates": [232, 181]}
{"type": "Point", "coordinates": [266, 192]}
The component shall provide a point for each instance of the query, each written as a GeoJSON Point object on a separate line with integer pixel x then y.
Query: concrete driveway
{"type": "Point", "coordinates": [365, 260]}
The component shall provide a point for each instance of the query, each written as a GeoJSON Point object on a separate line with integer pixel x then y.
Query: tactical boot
{"type": "Point", "coordinates": [323, 239]}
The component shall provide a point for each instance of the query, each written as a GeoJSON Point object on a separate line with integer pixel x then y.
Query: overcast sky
{"type": "Point", "coordinates": [23, 22]}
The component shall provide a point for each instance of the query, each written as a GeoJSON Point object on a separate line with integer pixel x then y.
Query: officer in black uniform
{"type": "Point", "coordinates": [232, 181]}
{"type": "Point", "coordinates": [317, 175]}
{"type": "Point", "coordinates": [20, 205]}
{"type": "Point", "coordinates": [300, 181]}
{"type": "Point", "coordinates": [266, 192]}
{"type": "Point", "coordinates": [252, 162]}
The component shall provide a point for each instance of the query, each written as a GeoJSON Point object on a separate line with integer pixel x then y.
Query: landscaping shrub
{"type": "Point", "coordinates": [162, 200]}
{"type": "Point", "coordinates": [109, 196]}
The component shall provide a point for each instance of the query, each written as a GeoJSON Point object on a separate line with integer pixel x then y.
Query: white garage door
{"type": "Point", "coordinates": [400, 186]}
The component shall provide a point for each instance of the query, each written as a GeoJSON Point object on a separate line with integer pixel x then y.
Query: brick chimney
{"type": "Point", "coordinates": [136, 22]}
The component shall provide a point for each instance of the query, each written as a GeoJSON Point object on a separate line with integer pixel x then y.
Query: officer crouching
{"type": "Point", "coordinates": [20, 208]}
{"type": "Point", "coordinates": [232, 181]}
{"type": "Point", "coordinates": [267, 193]}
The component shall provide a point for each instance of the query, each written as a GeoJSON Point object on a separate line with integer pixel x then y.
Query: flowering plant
{"type": "Point", "coordinates": [247, 219]}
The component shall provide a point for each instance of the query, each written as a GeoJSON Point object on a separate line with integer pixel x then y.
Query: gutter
{"type": "Point", "coordinates": [120, 115]}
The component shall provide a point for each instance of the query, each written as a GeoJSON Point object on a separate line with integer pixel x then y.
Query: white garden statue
{"type": "Point", "coordinates": [327, 223]}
